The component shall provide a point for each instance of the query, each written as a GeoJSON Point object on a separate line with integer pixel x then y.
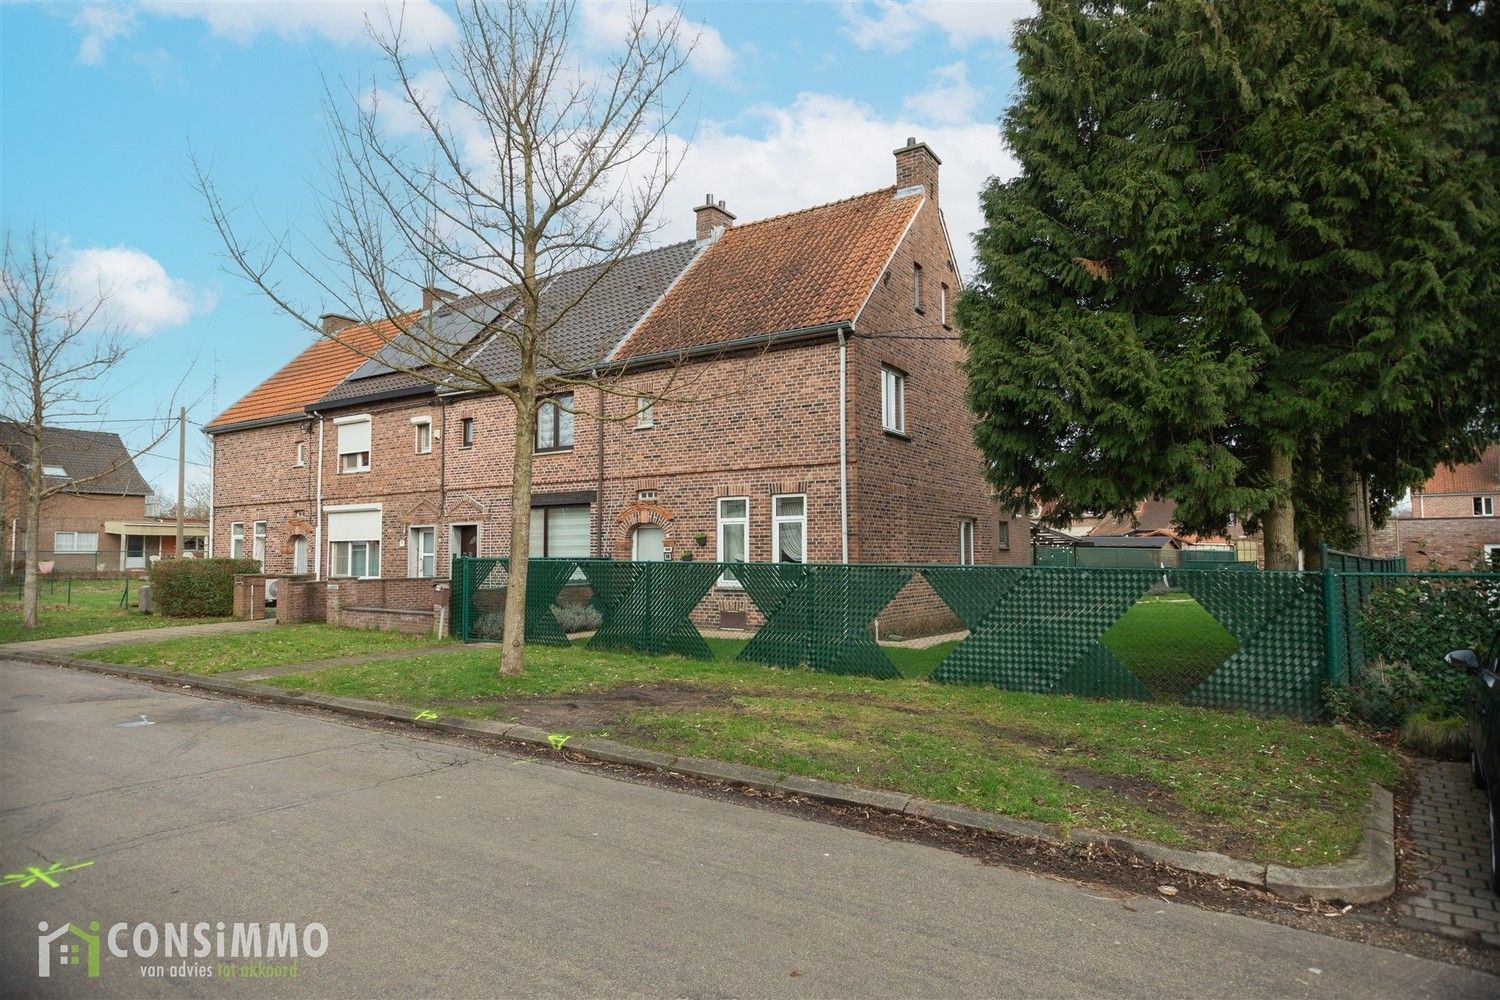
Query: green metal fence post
{"type": "Point", "coordinates": [1330, 619]}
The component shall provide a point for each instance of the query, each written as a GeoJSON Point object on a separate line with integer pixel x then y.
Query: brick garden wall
{"type": "Point", "coordinates": [1437, 543]}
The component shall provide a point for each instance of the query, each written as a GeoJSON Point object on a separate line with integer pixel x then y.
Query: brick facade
{"type": "Point", "coordinates": [66, 512]}
{"type": "Point", "coordinates": [1442, 529]}
{"type": "Point", "coordinates": [752, 422]}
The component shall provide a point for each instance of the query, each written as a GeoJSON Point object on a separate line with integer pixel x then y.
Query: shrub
{"type": "Point", "coordinates": [577, 617]}
{"type": "Point", "coordinates": [1383, 694]}
{"type": "Point", "coordinates": [197, 588]}
{"type": "Point", "coordinates": [1416, 622]}
{"type": "Point", "coordinates": [1430, 733]}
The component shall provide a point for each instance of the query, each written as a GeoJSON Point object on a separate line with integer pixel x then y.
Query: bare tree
{"type": "Point", "coordinates": [511, 162]}
{"type": "Point", "coordinates": [56, 343]}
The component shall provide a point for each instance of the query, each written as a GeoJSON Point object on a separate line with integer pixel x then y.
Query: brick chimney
{"type": "Point", "coordinates": [712, 215]}
{"type": "Point", "coordinates": [916, 164]}
{"type": "Point", "coordinates": [432, 295]}
{"type": "Point", "coordinates": [334, 322]}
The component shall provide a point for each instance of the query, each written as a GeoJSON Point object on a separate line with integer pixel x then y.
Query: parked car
{"type": "Point", "coordinates": [1484, 734]}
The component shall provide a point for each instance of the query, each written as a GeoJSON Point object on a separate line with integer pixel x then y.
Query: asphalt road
{"type": "Point", "coordinates": [450, 871]}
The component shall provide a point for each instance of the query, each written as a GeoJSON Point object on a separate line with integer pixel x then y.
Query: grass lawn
{"type": "Point", "coordinates": [270, 648]}
{"type": "Point", "coordinates": [95, 607]}
{"type": "Point", "coordinates": [1266, 789]}
{"type": "Point", "coordinates": [1170, 643]}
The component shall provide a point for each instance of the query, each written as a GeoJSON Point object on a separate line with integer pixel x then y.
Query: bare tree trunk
{"type": "Point", "coordinates": [33, 534]}
{"type": "Point", "coordinates": [1278, 524]}
{"type": "Point", "coordinates": [1357, 512]}
{"type": "Point", "coordinates": [513, 646]}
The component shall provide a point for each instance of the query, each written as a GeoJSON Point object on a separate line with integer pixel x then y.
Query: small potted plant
{"type": "Point", "coordinates": [701, 538]}
{"type": "Point", "coordinates": [687, 555]}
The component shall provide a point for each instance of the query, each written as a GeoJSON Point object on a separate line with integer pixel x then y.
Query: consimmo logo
{"type": "Point", "coordinates": [239, 948]}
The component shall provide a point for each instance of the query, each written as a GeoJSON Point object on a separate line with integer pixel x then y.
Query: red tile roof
{"type": "Point", "coordinates": [309, 375]}
{"type": "Point", "coordinates": [1482, 476]}
{"type": "Point", "coordinates": [789, 272]}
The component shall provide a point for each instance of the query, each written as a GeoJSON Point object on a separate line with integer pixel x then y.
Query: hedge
{"type": "Point", "coordinates": [197, 588]}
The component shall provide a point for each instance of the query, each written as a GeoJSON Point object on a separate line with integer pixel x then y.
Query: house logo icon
{"type": "Point", "coordinates": [81, 949]}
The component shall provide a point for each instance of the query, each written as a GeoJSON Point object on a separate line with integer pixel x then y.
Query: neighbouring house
{"type": "Point", "coordinates": [1156, 518]}
{"type": "Point", "coordinates": [97, 521]}
{"type": "Point", "coordinates": [1450, 523]}
{"type": "Point", "coordinates": [818, 415]}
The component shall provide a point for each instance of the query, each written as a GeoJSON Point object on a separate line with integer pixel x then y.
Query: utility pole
{"type": "Point", "coordinates": [181, 472]}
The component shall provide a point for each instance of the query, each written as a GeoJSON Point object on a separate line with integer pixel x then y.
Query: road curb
{"type": "Point", "coordinates": [1367, 876]}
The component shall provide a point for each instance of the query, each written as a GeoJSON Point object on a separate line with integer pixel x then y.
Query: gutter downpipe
{"type": "Point", "coordinates": [213, 454]}
{"type": "Point", "coordinates": [318, 504]}
{"type": "Point", "coordinates": [843, 446]}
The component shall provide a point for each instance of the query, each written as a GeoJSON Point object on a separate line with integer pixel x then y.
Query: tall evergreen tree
{"type": "Point", "coordinates": [1249, 262]}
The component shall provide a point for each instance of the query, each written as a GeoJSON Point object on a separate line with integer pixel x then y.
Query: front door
{"type": "Point", "coordinates": [299, 554]}
{"type": "Point", "coordinates": [648, 544]}
{"type": "Point", "coordinates": [466, 540]}
{"type": "Point", "coordinates": [135, 551]}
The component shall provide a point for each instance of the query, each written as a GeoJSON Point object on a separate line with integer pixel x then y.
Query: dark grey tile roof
{"type": "Point", "coordinates": [97, 460]}
{"type": "Point", "coordinates": [598, 307]}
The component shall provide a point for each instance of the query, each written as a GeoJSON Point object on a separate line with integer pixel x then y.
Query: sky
{"type": "Point", "coordinates": [101, 105]}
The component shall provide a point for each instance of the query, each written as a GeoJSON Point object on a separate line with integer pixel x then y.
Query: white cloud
{"type": "Point", "coordinates": [822, 148]}
{"type": "Point", "coordinates": [606, 23]}
{"type": "Point", "coordinates": [950, 98]}
{"type": "Point", "coordinates": [423, 22]}
{"type": "Point", "coordinates": [99, 24]}
{"type": "Point", "coordinates": [894, 25]}
{"type": "Point", "coordinates": [142, 297]}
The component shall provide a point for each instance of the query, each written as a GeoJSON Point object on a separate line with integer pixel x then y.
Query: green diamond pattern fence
{"type": "Point", "coordinates": [1267, 642]}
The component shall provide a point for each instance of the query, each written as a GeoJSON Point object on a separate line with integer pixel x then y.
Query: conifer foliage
{"type": "Point", "coordinates": [1249, 262]}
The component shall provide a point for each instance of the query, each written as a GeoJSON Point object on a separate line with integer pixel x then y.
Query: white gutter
{"type": "Point", "coordinates": [843, 447]}
{"type": "Point", "coordinates": [318, 505]}
{"type": "Point", "coordinates": [213, 454]}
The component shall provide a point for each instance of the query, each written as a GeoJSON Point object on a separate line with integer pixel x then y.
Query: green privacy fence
{"type": "Point", "coordinates": [1258, 641]}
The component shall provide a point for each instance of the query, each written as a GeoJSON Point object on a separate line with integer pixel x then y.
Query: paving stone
{"type": "Point", "coordinates": [1451, 837]}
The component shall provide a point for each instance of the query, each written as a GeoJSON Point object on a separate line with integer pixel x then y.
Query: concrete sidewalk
{"type": "Point", "coordinates": [73, 645]}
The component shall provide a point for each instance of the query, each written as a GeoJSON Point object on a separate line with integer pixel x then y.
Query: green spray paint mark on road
{"type": "Point", "coordinates": [426, 715]}
{"type": "Point", "coordinates": [32, 875]}
{"type": "Point", "coordinates": [558, 740]}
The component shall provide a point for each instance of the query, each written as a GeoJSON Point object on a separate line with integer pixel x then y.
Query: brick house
{"type": "Point", "coordinates": [97, 522]}
{"type": "Point", "coordinates": [787, 389]}
{"type": "Point", "coordinates": [1451, 523]}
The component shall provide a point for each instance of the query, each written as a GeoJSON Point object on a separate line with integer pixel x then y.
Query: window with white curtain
{"type": "Point", "coordinates": [789, 528]}
{"type": "Point", "coordinates": [560, 532]}
{"type": "Point", "coordinates": [75, 541]}
{"type": "Point", "coordinates": [421, 435]}
{"type": "Point", "coordinates": [734, 535]}
{"type": "Point", "coordinates": [237, 540]}
{"type": "Point", "coordinates": [354, 443]}
{"type": "Point", "coordinates": [258, 544]}
{"type": "Point", "coordinates": [554, 423]}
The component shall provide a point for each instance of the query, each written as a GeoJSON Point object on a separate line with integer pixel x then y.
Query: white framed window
{"type": "Point", "coordinates": [354, 532]}
{"type": "Point", "coordinates": [734, 535]}
{"type": "Point", "coordinates": [645, 412]}
{"type": "Point", "coordinates": [1484, 506]}
{"type": "Point", "coordinates": [421, 432]}
{"type": "Point", "coordinates": [237, 540]}
{"type": "Point", "coordinates": [1492, 558]}
{"type": "Point", "coordinates": [892, 399]}
{"type": "Point", "coordinates": [258, 543]}
{"type": "Point", "coordinates": [75, 541]}
{"type": "Point", "coordinates": [560, 532]}
{"type": "Point", "coordinates": [356, 559]}
{"type": "Point", "coordinates": [966, 542]}
{"type": "Point", "coordinates": [354, 443]}
{"type": "Point", "coordinates": [789, 528]}
{"type": "Point", "coordinates": [421, 551]}
{"type": "Point", "coordinates": [916, 287]}
{"type": "Point", "coordinates": [301, 458]}
{"type": "Point", "coordinates": [554, 423]}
